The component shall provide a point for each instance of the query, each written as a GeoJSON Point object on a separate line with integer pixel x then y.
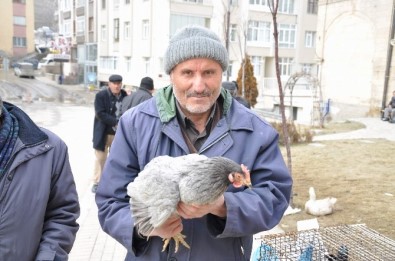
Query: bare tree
{"type": "Point", "coordinates": [273, 5]}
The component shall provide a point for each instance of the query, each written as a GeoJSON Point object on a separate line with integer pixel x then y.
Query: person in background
{"type": "Point", "coordinates": [143, 93]}
{"type": "Point", "coordinates": [232, 87]}
{"type": "Point", "coordinates": [39, 202]}
{"type": "Point", "coordinates": [108, 109]}
{"type": "Point", "coordinates": [389, 112]}
{"type": "Point", "coordinates": [196, 115]}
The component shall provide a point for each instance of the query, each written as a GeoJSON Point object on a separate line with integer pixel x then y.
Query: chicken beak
{"type": "Point", "coordinates": [247, 178]}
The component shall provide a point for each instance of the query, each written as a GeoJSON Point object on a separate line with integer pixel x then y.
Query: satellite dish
{"type": "Point", "coordinates": [392, 42]}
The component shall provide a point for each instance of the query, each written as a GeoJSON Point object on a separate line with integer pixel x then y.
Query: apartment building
{"type": "Point", "coordinates": [17, 28]}
{"type": "Point", "coordinates": [132, 36]}
{"type": "Point", "coordinates": [77, 21]}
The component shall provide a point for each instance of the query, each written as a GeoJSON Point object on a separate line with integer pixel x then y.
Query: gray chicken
{"type": "Point", "coordinates": [192, 179]}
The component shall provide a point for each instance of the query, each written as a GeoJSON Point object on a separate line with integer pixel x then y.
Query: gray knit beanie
{"type": "Point", "coordinates": [194, 42]}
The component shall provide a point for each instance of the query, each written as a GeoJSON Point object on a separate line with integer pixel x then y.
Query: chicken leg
{"type": "Point", "coordinates": [179, 238]}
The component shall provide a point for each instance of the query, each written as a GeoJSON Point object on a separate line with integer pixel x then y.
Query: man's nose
{"type": "Point", "coordinates": [199, 84]}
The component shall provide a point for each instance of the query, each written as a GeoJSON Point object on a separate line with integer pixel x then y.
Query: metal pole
{"type": "Point", "coordinates": [227, 36]}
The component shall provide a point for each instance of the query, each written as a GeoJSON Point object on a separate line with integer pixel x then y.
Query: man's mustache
{"type": "Point", "coordinates": [198, 94]}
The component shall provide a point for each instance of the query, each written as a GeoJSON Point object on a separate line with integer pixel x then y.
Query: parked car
{"type": "Point", "coordinates": [33, 61]}
{"type": "Point", "coordinates": [24, 70]}
{"type": "Point", "coordinates": [45, 61]}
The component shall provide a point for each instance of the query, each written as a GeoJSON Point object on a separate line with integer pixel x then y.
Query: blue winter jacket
{"type": "Point", "coordinates": [151, 129]}
{"type": "Point", "coordinates": [38, 198]}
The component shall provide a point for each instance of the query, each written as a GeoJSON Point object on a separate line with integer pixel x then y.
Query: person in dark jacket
{"type": "Point", "coordinates": [232, 87]}
{"type": "Point", "coordinates": [39, 202]}
{"type": "Point", "coordinates": [143, 93]}
{"type": "Point", "coordinates": [108, 110]}
{"type": "Point", "coordinates": [389, 111]}
{"type": "Point", "coordinates": [195, 115]}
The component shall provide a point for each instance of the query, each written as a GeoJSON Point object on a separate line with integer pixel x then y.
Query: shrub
{"type": "Point", "coordinates": [297, 133]}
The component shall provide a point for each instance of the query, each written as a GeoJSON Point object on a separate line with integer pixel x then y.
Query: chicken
{"type": "Point", "coordinates": [165, 181]}
{"type": "Point", "coordinates": [319, 207]}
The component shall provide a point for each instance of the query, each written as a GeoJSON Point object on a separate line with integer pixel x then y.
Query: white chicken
{"type": "Point", "coordinates": [319, 207]}
{"type": "Point", "coordinates": [165, 181]}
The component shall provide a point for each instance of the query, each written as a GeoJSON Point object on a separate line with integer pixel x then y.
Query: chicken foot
{"type": "Point", "coordinates": [179, 238]}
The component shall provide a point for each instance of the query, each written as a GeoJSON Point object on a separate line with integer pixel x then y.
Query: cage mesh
{"type": "Point", "coordinates": [345, 243]}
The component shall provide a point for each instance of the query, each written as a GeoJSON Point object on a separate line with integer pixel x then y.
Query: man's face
{"type": "Point", "coordinates": [196, 84]}
{"type": "Point", "coordinates": [115, 87]}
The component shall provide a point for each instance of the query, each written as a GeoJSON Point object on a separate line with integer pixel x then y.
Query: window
{"type": "Point", "coordinates": [256, 62]}
{"type": "Point", "coordinates": [147, 65]}
{"type": "Point", "coordinates": [127, 2]}
{"type": "Point", "coordinates": [67, 28]}
{"type": "Point", "coordinates": [80, 25]}
{"type": "Point", "coordinates": [128, 64]}
{"type": "Point", "coordinates": [91, 52]}
{"type": "Point", "coordinates": [309, 40]}
{"type": "Point", "coordinates": [233, 2]}
{"type": "Point", "coordinates": [145, 32]}
{"type": "Point", "coordinates": [80, 3]}
{"type": "Point", "coordinates": [285, 66]}
{"type": "Point", "coordinates": [233, 32]}
{"type": "Point", "coordinates": [66, 5]}
{"type": "Point", "coordinates": [286, 35]}
{"type": "Point", "coordinates": [108, 62]}
{"type": "Point", "coordinates": [312, 6]}
{"type": "Point", "coordinates": [286, 6]}
{"type": "Point", "coordinates": [103, 33]}
{"type": "Point", "coordinates": [19, 20]}
{"type": "Point", "coordinates": [307, 67]}
{"type": "Point", "coordinates": [259, 2]}
{"type": "Point", "coordinates": [194, 1]}
{"type": "Point", "coordinates": [19, 1]}
{"type": "Point", "coordinates": [19, 41]}
{"type": "Point", "coordinates": [116, 4]}
{"type": "Point", "coordinates": [103, 4]}
{"type": "Point", "coordinates": [116, 29]}
{"type": "Point", "coordinates": [258, 31]}
{"type": "Point", "coordinates": [126, 30]}
{"type": "Point", "coordinates": [179, 21]}
{"type": "Point", "coordinates": [229, 70]}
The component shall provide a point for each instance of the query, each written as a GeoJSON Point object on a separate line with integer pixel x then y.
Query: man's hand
{"type": "Point", "coordinates": [217, 208]}
{"type": "Point", "coordinates": [170, 228]}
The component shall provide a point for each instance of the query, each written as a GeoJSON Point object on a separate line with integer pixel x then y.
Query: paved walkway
{"type": "Point", "coordinates": [375, 129]}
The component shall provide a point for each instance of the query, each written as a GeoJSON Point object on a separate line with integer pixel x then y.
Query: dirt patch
{"type": "Point", "coordinates": [359, 173]}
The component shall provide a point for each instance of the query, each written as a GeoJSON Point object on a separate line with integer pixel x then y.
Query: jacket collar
{"type": "Point", "coordinates": [166, 103]}
{"type": "Point", "coordinates": [29, 132]}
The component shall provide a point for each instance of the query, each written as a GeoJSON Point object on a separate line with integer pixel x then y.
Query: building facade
{"type": "Point", "coordinates": [17, 29]}
{"type": "Point", "coordinates": [132, 37]}
{"type": "Point", "coordinates": [355, 52]}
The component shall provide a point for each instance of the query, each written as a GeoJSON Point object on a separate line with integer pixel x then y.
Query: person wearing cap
{"type": "Point", "coordinates": [232, 87]}
{"type": "Point", "coordinates": [39, 202]}
{"type": "Point", "coordinates": [108, 109]}
{"type": "Point", "coordinates": [194, 114]}
{"type": "Point", "coordinates": [143, 93]}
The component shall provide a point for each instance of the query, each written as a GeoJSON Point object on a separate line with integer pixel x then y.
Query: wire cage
{"type": "Point", "coordinates": [345, 243]}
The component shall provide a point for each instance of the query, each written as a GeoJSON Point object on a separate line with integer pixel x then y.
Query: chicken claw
{"type": "Point", "coordinates": [179, 238]}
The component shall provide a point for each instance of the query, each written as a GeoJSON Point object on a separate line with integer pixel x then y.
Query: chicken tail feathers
{"type": "Point", "coordinates": [142, 221]}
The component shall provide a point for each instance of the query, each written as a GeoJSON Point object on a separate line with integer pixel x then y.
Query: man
{"type": "Point", "coordinates": [108, 109]}
{"type": "Point", "coordinates": [232, 87]}
{"type": "Point", "coordinates": [195, 115]}
{"type": "Point", "coordinates": [389, 112]}
{"type": "Point", "coordinates": [144, 93]}
{"type": "Point", "coordinates": [39, 202]}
